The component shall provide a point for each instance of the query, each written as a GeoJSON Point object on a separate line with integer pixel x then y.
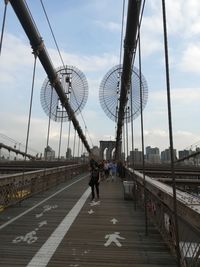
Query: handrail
{"type": "Point", "coordinates": [160, 211]}
{"type": "Point", "coordinates": [16, 187]}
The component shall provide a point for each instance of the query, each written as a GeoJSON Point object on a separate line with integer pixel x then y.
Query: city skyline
{"type": "Point", "coordinates": [91, 42]}
{"type": "Point", "coordinates": [78, 153]}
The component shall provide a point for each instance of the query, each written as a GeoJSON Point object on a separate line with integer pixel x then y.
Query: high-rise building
{"type": "Point", "coordinates": [152, 154]}
{"type": "Point", "coordinates": [183, 153]}
{"type": "Point", "coordinates": [68, 153]}
{"type": "Point", "coordinates": [49, 153]}
{"type": "Point", "coordinates": [165, 155]}
{"type": "Point", "coordinates": [136, 155]}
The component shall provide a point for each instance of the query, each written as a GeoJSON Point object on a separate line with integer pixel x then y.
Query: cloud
{"type": "Point", "coordinates": [109, 25]}
{"type": "Point", "coordinates": [190, 61]}
{"type": "Point", "coordinates": [182, 96]}
{"type": "Point", "coordinates": [84, 63]}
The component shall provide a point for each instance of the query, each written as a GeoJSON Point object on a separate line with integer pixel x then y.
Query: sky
{"type": "Point", "coordinates": [88, 33]}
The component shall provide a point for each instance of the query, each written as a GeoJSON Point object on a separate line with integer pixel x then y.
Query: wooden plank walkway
{"type": "Point", "coordinates": [50, 230]}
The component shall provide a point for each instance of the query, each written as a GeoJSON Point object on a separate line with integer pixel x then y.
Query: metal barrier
{"type": "Point", "coordinates": [160, 211]}
{"type": "Point", "coordinates": [16, 187]}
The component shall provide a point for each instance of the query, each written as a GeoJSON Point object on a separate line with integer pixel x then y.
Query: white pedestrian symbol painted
{"type": "Point", "coordinates": [90, 211]}
{"type": "Point", "coordinates": [95, 203]}
{"type": "Point", "coordinates": [113, 238]}
{"type": "Point", "coordinates": [114, 221]}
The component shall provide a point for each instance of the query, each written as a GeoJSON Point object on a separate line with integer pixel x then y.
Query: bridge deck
{"type": "Point", "coordinates": [61, 227]}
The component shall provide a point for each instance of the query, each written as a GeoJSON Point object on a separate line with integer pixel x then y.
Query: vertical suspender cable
{"type": "Point", "coordinates": [68, 136]}
{"type": "Point", "coordinates": [29, 120]}
{"type": "Point", "coordinates": [49, 123]}
{"type": "Point", "coordinates": [82, 143]}
{"type": "Point", "coordinates": [3, 24]}
{"type": "Point", "coordinates": [171, 133]}
{"type": "Point", "coordinates": [132, 139]}
{"type": "Point", "coordinates": [127, 111]}
{"type": "Point", "coordinates": [31, 102]}
{"type": "Point", "coordinates": [82, 149]}
{"type": "Point", "coordinates": [78, 147]}
{"type": "Point", "coordinates": [142, 133]}
{"type": "Point", "coordinates": [124, 142]}
{"type": "Point", "coordinates": [61, 125]}
{"type": "Point", "coordinates": [132, 144]}
{"type": "Point", "coordinates": [74, 146]}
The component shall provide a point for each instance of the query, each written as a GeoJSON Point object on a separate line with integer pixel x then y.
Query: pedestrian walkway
{"type": "Point", "coordinates": [62, 227]}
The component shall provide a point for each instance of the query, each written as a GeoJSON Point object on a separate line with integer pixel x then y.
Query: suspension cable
{"type": "Point", "coordinates": [48, 21]}
{"type": "Point", "coordinates": [68, 136]}
{"type": "Point", "coordinates": [126, 117]}
{"type": "Point", "coordinates": [122, 34]}
{"type": "Point", "coordinates": [31, 102]}
{"type": "Point", "coordinates": [124, 142]}
{"type": "Point", "coordinates": [74, 146]}
{"type": "Point", "coordinates": [142, 132]}
{"type": "Point", "coordinates": [53, 35]}
{"type": "Point", "coordinates": [49, 122]}
{"type": "Point", "coordinates": [78, 146]}
{"type": "Point", "coordinates": [132, 137]}
{"type": "Point", "coordinates": [171, 133]}
{"type": "Point", "coordinates": [3, 24]}
{"type": "Point", "coordinates": [139, 25]}
{"type": "Point", "coordinates": [61, 125]}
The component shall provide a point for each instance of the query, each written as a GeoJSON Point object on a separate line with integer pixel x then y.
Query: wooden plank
{"type": "Point", "coordinates": [84, 243]}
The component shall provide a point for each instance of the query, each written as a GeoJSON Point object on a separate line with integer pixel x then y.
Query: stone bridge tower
{"type": "Point", "coordinates": [110, 147]}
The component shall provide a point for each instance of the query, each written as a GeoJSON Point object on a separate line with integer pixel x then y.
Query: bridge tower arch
{"type": "Point", "coordinates": [109, 146]}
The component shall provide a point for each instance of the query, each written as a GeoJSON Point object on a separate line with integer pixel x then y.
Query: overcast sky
{"type": "Point", "coordinates": [88, 33]}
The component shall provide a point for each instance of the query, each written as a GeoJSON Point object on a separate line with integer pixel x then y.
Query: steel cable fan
{"type": "Point", "coordinates": [109, 93]}
{"type": "Point", "coordinates": [75, 87]}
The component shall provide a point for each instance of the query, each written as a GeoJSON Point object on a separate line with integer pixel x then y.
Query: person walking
{"type": "Point", "coordinates": [94, 182]}
{"type": "Point", "coordinates": [113, 171]}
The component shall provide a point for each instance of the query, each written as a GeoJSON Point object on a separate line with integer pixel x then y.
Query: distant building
{"type": "Point", "coordinates": [49, 153]}
{"type": "Point", "coordinates": [183, 153]}
{"type": "Point", "coordinates": [136, 155]}
{"type": "Point", "coordinates": [69, 153]}
{"type": "Point", "coordinates": [152, 154]}
{"type": "Point", "coordinates": [190, 160]}
{"type": "Point", "coordinates": [165, 155]}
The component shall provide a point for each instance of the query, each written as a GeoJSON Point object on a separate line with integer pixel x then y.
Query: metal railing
{"type": "Point", "coordinates": [16, 187]}
{"type": "Point", "coordinates": [160, 212]}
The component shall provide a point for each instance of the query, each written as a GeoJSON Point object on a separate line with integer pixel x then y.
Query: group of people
{"type": "Point", "coordinates": [104, 170]}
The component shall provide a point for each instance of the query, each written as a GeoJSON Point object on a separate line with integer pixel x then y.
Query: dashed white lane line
{"type": "Point", "coordinates": [43, 256]}
{"type": "Point", "coordinates": [38, 204]}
